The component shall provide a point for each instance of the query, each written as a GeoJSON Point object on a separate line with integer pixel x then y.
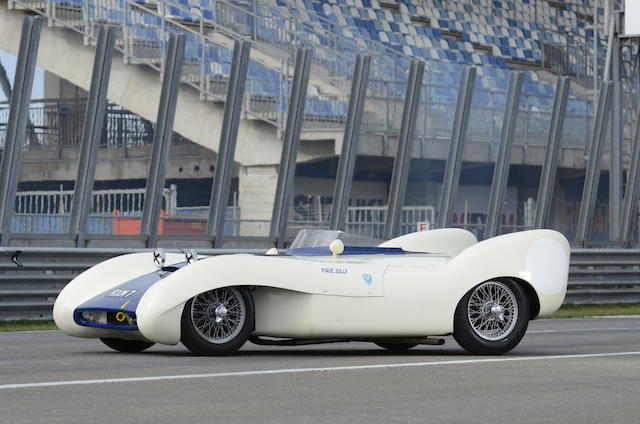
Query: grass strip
{"type": "Point", "coordinates": [593, 310]}
{"type": "Point", "coordinates": [25, 325]}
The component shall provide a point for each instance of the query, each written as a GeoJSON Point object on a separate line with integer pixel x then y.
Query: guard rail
{"type": "Point", "coordinates": [31, 278]}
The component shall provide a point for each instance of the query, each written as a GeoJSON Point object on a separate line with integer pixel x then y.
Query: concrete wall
{"type": "Point", "coordinates": [61, 163]}
{"type": "Point", "coordinates": [257, 190]}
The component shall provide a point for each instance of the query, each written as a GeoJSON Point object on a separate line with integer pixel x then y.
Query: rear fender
{"type": "Point", "coordinates": [446, 241]}
{"type": "Point", "coordinates": [538, 257]}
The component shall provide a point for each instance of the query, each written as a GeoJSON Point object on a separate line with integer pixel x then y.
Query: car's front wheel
{"type": "Point", "coordinates": [127, 346]}
{"type": "Point", "coordinates": [492, 318]}
{"type": "Point", "coordinates": [218, 322]}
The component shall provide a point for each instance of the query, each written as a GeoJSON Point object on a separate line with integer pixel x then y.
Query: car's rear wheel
{"type": "Point", "coordinates": [396, 347]}
{"type": "Point", "coordinates": [218, 322]}
{"type": "Point", "coordinates": [127, 346]}
{"type": "Point", "coordinates": [492, 318]}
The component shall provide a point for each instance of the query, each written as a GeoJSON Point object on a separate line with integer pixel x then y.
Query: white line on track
{"type": "Point", "coordinates": [306, 370]}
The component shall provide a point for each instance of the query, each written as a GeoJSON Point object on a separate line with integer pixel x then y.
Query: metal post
{"type": "Point", "coordinates": [228, 137]}
{"type": "Point", "coordinates": [5, 84]}
{"type": "Point", "coordinates": [503, 161]}
{"type": "Point", "coordinates": [615, 129]}
{"type": "Point", "coordinates": [592, 176]}
{"type": "Point", "coordinates": [350, 138]}
{"type": "Point", "coordinates": [612, 42]}
{"type": "Point", "coordinates": [550, 166]}
{"type": "Point", "coordinates": [162, 138]}
{"type": "Point", "coordinates": [290, 142]}
{"type": "Point", "coordinates": [402, 162]}
{"type": "Point", "coordinates": [454, 161]}
{"type": "Point", "coordinates": [615, 162]}
{"type": "Point", "coordinates": [17, 123]}
{"type": "Point", "coordinates": [92, 133]}
{"type": "Point", "coordinates": [631, 194]}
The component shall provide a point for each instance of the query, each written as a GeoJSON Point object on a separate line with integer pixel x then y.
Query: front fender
{"type": "Point", "coordinates": [159, 311]}
{"type": "Point", "coordinates": [96, 280]}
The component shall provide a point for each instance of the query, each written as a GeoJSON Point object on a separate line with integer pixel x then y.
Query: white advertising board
{"type": "Point", "coordinates": [632, 17]}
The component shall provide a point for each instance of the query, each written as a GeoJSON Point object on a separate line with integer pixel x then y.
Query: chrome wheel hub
{"type": "Point", "coordinates": [496, 310]}
{"type": "Point", "coordinates": [492, 310]}
{"type": "Point", "coordinates": [221, 313]}
{"type": "Point", "coordinates": [218, 315]}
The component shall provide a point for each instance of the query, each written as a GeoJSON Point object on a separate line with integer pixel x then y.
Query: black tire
{"type": "Point", "coordinates": [193, 336]}
{"type": "Point", "coordinates": [127, 346]}
{"type": "Point", "coordinates": [396, 347]}
{"type": "Point", "coordinates": [507, 332]}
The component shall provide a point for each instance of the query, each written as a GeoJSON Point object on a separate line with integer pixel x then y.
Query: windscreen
{"type": "Point", "coordinates": [322, 238]}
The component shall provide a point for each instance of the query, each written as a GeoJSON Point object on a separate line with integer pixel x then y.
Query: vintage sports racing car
{"type": "Point", "coordinates": [329, 286]}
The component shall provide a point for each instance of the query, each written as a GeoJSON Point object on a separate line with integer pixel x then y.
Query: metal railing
{"type": "Point", "coordinates": [31, 278]}
{"type": "Point", "coordinates": [366, 221]}
{"type": "Point", "coordinates": [569, 53]}
{"type": "Point", "coordinates": [49, 202]}
{"type": "Point", "coordinates": [59, 123]}
{"type": "Point", "coordinates": [48, 211]}
{"type": "Point", "coordinates": [604, 276]}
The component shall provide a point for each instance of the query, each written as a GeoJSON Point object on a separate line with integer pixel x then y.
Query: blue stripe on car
{"type": "Point", "coordinates": [126, 299]}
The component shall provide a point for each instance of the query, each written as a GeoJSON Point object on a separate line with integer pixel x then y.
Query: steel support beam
{"type": "Point", "coordinates": [92, 133]}
{"type": "Point", "coordinates": [503, 161]}
{"type": "Point", "coordinates": [5, 84]}
{"type": "Point", "coordinates": [402, 162]}
{"type": "Point", "coordinates": [454, 160]}
{"type": "Point", "coordinates": [631, 194]}
{"type": "Point", "coordinates": [612, 43]}
{"type": "Point", "coordinates": [162, 138]}
{"type": "Point", "coordinates": [552, 153]}
{"type": "Point", "coordinates": [290, 142]}
{"type": "Point", "coordinates": [350, 138]}
{"type": "Point", "coordinates": [612, 73]}
{"type": "Point", "coordinates": [17, 123]}
{"type": "Point", "coordinates": [228, 137]}
{"type": "Point", "coordinates": [615, 162]}
{"type": "Point", "coordinates": [592, 176]}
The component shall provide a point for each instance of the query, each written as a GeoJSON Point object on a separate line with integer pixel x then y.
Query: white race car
{"type": "Point", "coordinates": [329, 286]}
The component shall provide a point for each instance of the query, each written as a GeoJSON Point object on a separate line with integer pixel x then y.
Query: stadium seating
{"type": "Point", "coordinates": [494, 35]}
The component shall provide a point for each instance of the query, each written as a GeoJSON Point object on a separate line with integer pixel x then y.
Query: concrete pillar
{"type": "Point", "coordinates": [59, 88]}
{"type": "Point", "coordinates": [257, 190]}
{"type": "Point", "coordinates": [67, 115]}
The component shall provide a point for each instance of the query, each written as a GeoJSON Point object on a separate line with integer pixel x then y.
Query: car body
{"type": "Point", "coordinates": [396, 294]}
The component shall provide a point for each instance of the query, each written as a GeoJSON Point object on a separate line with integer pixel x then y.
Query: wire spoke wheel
{"type": "Point", "coordinates": [492, 310]}
{"type": "Point", "coordinates": [218, 315]}
{"type": "Point", "coordinates": [492, 318]}
{"type": "Point", "coordinates": [218, 322]}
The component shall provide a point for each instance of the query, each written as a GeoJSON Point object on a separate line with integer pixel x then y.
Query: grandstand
{"type": "Point", "coordinates": [546, 40]}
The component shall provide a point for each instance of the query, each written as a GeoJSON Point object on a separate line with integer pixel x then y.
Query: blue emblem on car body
{"type": "Point", "coordinates": [367, 278]}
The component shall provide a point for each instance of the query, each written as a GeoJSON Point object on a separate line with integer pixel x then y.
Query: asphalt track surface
{"type": "Point", "coordinates": [564, 371]}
